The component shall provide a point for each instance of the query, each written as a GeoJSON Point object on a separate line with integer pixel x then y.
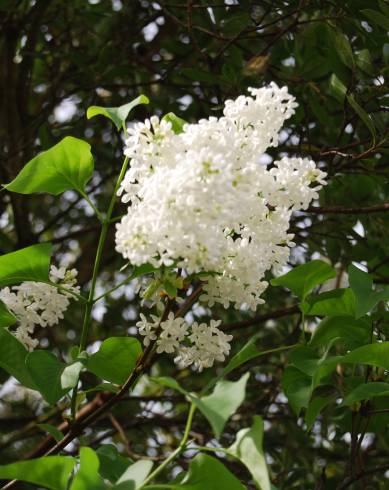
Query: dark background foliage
{"type": "Point", "coordinates": [59, 57]}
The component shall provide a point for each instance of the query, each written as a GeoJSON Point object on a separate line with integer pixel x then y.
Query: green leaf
{"type": "Point", "coordinates": [223, 402]}
{"type": "Point", "coordinates": [362, 114]}
{"type": "Point", "coordinates": [176, 122]}
{"type": "Point", "coordinates": [337, 88]}
{"type": "Point", "coordinates": [302, 279]}
{"type": "Point", "coordinates": [365, 62]}
{"type": "Point", "coordinates": [376, 18]}
{"type": "Point", "coordinates": [118, 115]}
{"type": "Point", "coordinates": [67, 165]}
{"type": "Point", "coordinates": [343, 47]}
{"type": "Point", "coordinates": [366, 297]}
{"type": "Point", "coordinates": [350, 332]}
{"type": "Point", "coordinates": [218, 407]}
{"type": "Point", "coordinates": [331, 303]}
{"type": "Point", "coordinates": [115, 359]}
{"type": "Point", "coordinates": [339, 91]}
{"type": "Point", "coordinates": [314, 408]}
{"type": "Point", "coordinates": [88, 476]}
{"type": "Point", "coordinates": [112, 463]}
{"type": "Point", "coordinates": [6, 317]}
{"type": "Point", "coordinates": [306, 360]}
{"type": "Point", "coordinates": [170, 383]}
{"type": "Point", "coordinates": [50, 472]}
{"type": "Point", "coordinates": [46, 371]}
{"type": "Point", "coordinates": [28, 264]}
{"type": "Point", "coordinates": [134, 475]}
{"type": "Point", "coordinates": [141, 270]}
{"type": "Point", "coordinates": [297, 387]}
{"type": "Point", "coordinates": [70, 375]}
{"type": "Point", "coordinates": [248, 448]}
{"type": "Point", "coordinates": [372, 354]}
{"type": "Point", "coordinates": [103, 387]}
{"type": "Point", "coordinates": [206, 473]}
{"type": "Point", "coordinates": [366, 391]}
{"type": "Point", "coordinates": [13, 358]}
{"type": "Point", "coordinates": [170, 289]}
{"type": "Point", "coordinates": [247, 352]}
{"type": "Point", "coordinates": [52, 430]}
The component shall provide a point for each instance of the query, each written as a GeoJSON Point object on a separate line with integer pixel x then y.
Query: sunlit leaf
{"type": "Point", "coordinates": [118, 115]}
{"type": "Point", "coordinates": [225, 399]}
{"type": "Point", "coordinates": [134, 475]}
{"type": "Point", "coordinates": [176, 122]}
{"type": "Point", "coordinates": [27, 264]}
{"type": "Point", "coordinates": [88, 476]}
{"type": "Point", "coordinates": [50, 472]}
{"type": "Point", "coordinates": [67, 165]}
{"type": "Point", "coordinates": [205, 473]}
{"type": "Point", "coordinates": [248, 448]}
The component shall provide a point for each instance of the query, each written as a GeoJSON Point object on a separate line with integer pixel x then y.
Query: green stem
{"type": "Point", "coordinates": [304, 331]}
{"type": "Point", "coordinates": [90, 202]}
{"type": "Point", "coordinates": [99, 253]}
{"type": "Point", "coordinates": [116, 218]}
{"type": "Point", "coordinates": [212, 383]}
{"type": "Point", "coordinates": [160, 485]}
{"type": "Point", "coordinates": [175, 453]}
{"type": "Point", "coordinates": [96, 268]}
{"type": "Point", "coordinates": [60, 287]}
{"type": "Point", "coordinates": [214, 450]}
{"type": "Point", "coordinates": [122, 283]}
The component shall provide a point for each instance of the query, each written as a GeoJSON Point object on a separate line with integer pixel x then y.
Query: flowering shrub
{"type": "Point", "coordinates": [205, 220]}
{"type": "Point", "coordinates": [201, 202]}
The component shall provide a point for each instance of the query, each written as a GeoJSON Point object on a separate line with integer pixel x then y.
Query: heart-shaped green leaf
{"type": "Point", "coordinates": [13, 358]}
{"type": "Point", "coordinates": [67, 165]}
{"type": "Point", "coordinates": [88, 476]}
{"type": "Point", "coordinates": [115, 359]}
{"type": "Point", "coordinates": [52, 378]}
{"type": "Point", "coordinates": [51, 472]}
{"type": "Point", "coordinates": [118, 115]}
{"type": "Point", "coordinates": [28, 264]}
{"type": "Point", "coordinates": [366, 297]}
{"type": "Point", "coordinates": [302, 279]}
{"type": "Point", "coordinates": [248, 448]}
{"type": "Point", "coordinates": [176, 122]}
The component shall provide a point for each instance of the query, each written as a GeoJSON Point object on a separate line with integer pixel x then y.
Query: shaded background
{"type": "Point", "coordinates": [59, 57]}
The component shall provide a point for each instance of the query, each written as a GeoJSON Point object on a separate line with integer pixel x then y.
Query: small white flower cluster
{"type": "Point", "coordinates": [202, 201]}
{"type": "Point", "coordinates": [39, 304]}
{"type": "Point", "coordinates": [207, 343]}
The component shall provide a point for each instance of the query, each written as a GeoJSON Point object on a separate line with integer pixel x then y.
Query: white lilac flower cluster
{"type": "Point", "coordinates": [39, 304]}
{"type": "Point", "coordinates": [200, 344]}
{"type": "Point", "coordinates": [201, 200]}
